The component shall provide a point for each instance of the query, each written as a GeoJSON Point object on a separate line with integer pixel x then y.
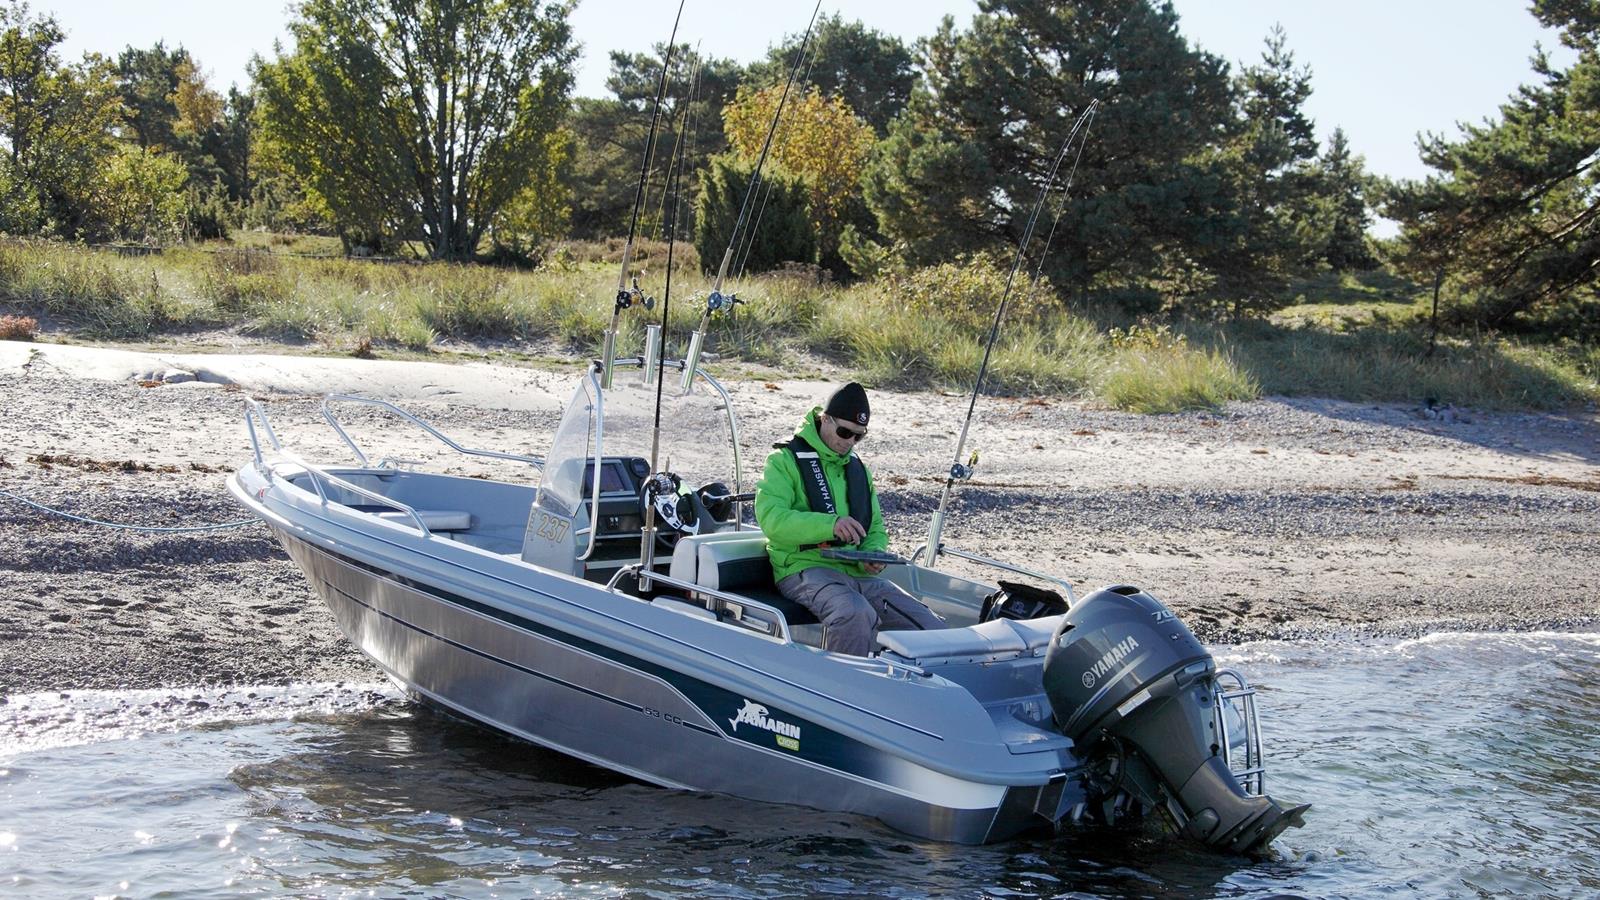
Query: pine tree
{"type": "Point", "coordinates": [1268, 159]}
{"type": "Point", "coordinates": [785, 233]}
{"type": "Point", "coordinates": [1342, 213]}
{"type": "Point", "coordinates": [961, 168]}
{"type": "Point", "coordinates": [1513, 213]}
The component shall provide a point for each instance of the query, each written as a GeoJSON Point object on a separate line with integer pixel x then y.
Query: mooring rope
{"type": "Point", "coordinates": [146, 528]}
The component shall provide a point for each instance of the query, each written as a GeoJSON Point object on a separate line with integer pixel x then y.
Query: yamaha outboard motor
{"type": "Point", "coordinates": [1135, 691]}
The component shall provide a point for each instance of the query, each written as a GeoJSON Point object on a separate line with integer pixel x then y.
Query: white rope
{"type": "Point", "coordinates": [149, 528]}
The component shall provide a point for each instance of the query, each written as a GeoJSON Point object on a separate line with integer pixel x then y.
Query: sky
{"type": "Point", "coordinates": [1384, 70]}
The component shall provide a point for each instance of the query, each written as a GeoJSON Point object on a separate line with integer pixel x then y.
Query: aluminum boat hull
{"type": "Point", "coordinates": [667, 698]}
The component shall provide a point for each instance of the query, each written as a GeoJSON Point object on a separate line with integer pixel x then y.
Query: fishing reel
{"type": "Point", "coordinates": [634, 296]}
{"type": "Point", "coordinates": [677, 511]}
{"type": "Point", "coordinates": [680, 510]}
{"type": "Point", "coordinates": [717, 301]}
{"type": "Point", "coordinates": [959, 472]}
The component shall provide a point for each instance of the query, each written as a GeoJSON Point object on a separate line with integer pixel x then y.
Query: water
{"type": "Point", "coordinates": [1451, 765]}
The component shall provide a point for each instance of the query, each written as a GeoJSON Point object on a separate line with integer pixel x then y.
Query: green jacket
{"type": "Point", "coordinates": [785, 515]}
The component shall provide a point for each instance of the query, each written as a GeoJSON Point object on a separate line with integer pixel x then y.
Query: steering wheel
{"type": "Point", "coordinates": [677, 512]}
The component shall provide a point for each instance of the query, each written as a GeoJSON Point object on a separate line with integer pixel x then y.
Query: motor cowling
{"type": "Point", "coordinates": [1132, 687]}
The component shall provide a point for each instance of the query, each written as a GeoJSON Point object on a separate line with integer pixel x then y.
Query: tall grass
{"type": "Point", "coordinates": [1382, 364]}
{"type": "Point", "coordinates": [925, 328]}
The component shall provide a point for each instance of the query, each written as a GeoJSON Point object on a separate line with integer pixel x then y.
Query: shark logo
{"type": "Point", "coordinates": [755, 715]}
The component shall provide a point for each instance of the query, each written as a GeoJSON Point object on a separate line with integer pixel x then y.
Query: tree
{"type": "Point", "coordinates": [610, 136]}
{"type": "Point", "coordinates": [419, 118]}
{"type": "Point", "coordinates": [1268, 161]}
{"type": "Point", "coordinates": [1513, 213]}
{"type": "Point", "coordinates": [1341, 210]}
{"type": "Point", "coordinates": [140, 194]}
{"type": "Point", "coordinates": [961, 168]}
{"type": "Point", "coordinates": [233, 144]}
{"type": "Point", "coordinates": [55, 127]}
{"type": "Point", "coordinates": [170, 106]}
{"type": "Point", "coordinates": [785, 234]}
{"type": "Point", "coordinates": [147, 80]}
{"type": "Point", "coordinates": [819, 141]}
{"type": "Point", "coordinates": [873, 72]}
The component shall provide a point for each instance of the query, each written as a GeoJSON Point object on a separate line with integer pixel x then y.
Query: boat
{"type": "Point", "coordinates": [621, 609]}
{"type": "Point", "coordinates": [535, 610]}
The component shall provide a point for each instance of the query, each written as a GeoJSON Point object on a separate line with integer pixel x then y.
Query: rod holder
{"type": "Point", "coordinates": [691, 360]}
{"type": "Point", "coordinates": [607, 358]}
{"type": "Point", "coordinates": [652, 352]}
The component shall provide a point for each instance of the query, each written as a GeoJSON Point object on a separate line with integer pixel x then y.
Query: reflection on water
{"type": "Point", "coordinates": [1453, 765]}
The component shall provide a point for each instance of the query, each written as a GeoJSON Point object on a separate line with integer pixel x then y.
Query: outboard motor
{"type": "Point", "coordinates": [1139, 695]}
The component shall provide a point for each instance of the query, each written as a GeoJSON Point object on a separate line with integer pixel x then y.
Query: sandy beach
{"type": "Point", "coordinates": [1300, 519]}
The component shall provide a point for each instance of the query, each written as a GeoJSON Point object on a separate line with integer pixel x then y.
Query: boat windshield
{"type": "Point", "coordinates": [602, 451]}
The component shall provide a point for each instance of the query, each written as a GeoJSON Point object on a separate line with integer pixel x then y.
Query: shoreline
{"type": "Point", "coordinates": [1277, 519]}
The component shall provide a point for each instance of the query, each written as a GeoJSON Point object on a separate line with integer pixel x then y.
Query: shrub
{"type": "Point", "coordinates": [18, 328]}
{"type": "Point", "coordinates": [966, 292]}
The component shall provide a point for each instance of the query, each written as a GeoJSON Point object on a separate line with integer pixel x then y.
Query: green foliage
{"type": "Point", "coordinates": [1340, 214]}
{"type": "Point", "coordinates": [610, 138]}
{"type": "Point", "coordinates": [420, 119]}
{"type": "Point", "coordinates": [141, 195]}
{"type": "Point", "coordinates": [885, 332]}
{"type": "Point", "coordinates": [820, 142]}
{"type": "Point", "coordinates": [869, 328]}
{"type": "Point", "coordinates": [540, 213]}
{"type": "Point", "coordinates": [965, 293]}
{"type": "Point", "coordinates": [147, 79]}
{"type": "Point", "coordinates": [783, 234]}
{"type": "Point", "coordinates": [1387, 363]}
{"type": "Point", "coordinates": [55, 121]}
{"type": "Point", "coordinates": [1513, 215]}
{"type": "Point", "coordinates": [871, 71]}
{"type": "Point", "coordinates": [865, 257]}
{"type": "Point", "coordinates": [961, 168]}
{"type": "Point", "coordinates": [102, 294]}
{"type": "Point", "coordinates": [207, 215]}
{"type": "Point", "coordinates": [1269, 184]}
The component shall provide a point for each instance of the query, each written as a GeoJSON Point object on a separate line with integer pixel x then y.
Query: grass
{"type": "Point", "coordinates": [1355, 339]}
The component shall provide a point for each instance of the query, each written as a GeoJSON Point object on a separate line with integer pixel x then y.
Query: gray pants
{"type": "Point", "coordinates": [853, 609]}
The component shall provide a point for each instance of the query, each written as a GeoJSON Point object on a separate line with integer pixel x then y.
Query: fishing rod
{"type": "Point", "coordinates": [628, 296]}
{"type": "Point", "coordinates": [681, 142]}
{"type": "Point", "coordinates": [958, 470]}
{"type": "Point", "coordinates": [717, 300]}
{"type": "Point", "coordinates": [661, 482]}
{"type": "Point", "coordinates": [766, 190]}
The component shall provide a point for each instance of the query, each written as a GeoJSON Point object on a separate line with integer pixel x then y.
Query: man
{"type": "Point", "coordinates": [815, 494]}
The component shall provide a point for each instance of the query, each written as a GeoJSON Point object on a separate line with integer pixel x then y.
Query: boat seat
{"type": "Point", "coordinates": [1036, 633]}
{"type": "Point", "coordinates": [435, 519]}
{"type": "Point", "coordinates": [735, 562]}
{"type": "Point", "coordinates": [984, 642]}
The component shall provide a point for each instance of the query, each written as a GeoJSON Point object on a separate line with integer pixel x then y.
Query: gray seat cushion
{"type": "Point", "coordinates": [982, 642]}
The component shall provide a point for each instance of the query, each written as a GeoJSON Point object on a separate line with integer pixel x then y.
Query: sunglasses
{"type": "Point", "coordinates": [849, 434]}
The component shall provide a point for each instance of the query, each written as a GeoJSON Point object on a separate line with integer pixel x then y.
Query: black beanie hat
{"type": "Point", "coordinates": [850, 404]}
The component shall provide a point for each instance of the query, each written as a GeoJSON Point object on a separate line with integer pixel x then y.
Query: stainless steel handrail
{"type": "Point", "coordinates": [333, 421]}
{"type": "Point", "coordinates": [597, 395]}
{"type": "Point", "coordinates": [946, 550]}
{"type": "Point", "coordinates": [322, 495]}
{"type": "Point", "coordinates": [1252, 775]}
{"type": "Point", "coordinates": [721, 596]}
{"type": "Point", "coordinates": [253, 411]}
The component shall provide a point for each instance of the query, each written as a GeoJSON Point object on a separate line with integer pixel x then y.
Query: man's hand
{"type": "Point", "coordinates": [848, 530]}
{"type": "Point", "coordinates": [873, 568]}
